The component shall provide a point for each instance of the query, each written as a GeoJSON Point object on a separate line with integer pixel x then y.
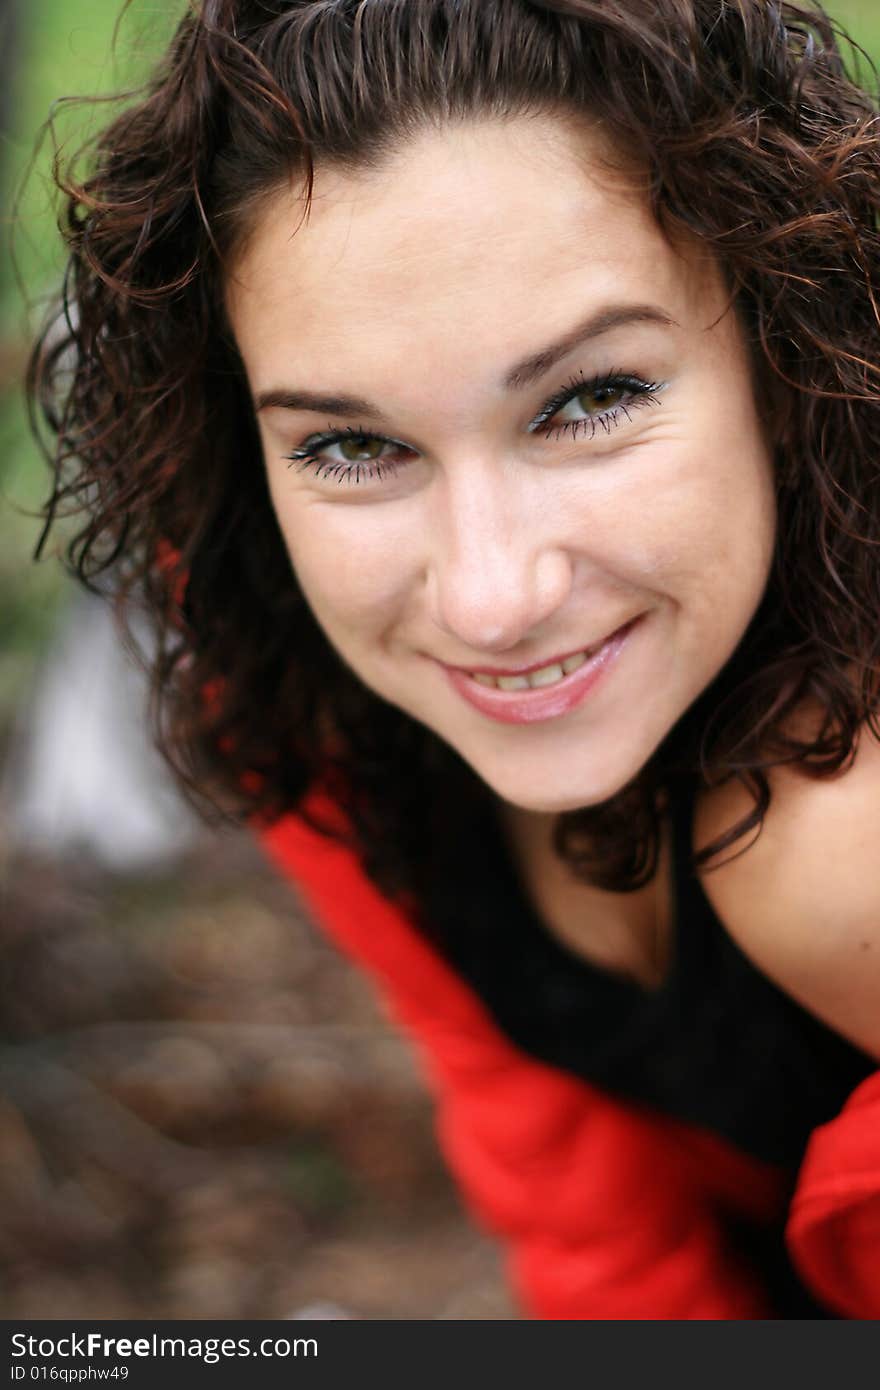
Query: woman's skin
{"type": "Point", "coordinates": [487, 268]}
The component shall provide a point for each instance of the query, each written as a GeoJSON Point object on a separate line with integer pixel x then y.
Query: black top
{"type": "Point", "coordinates": [718, 1044]}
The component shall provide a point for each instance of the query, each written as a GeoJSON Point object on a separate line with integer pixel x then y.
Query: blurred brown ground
{"type": "Point", "coordinates": [203, 1113]}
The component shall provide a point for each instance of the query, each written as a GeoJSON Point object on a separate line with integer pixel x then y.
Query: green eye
{"type": "Point", "coordinates": [583, 407]}
{"type": "Point", "coordinates": [600, 398]}
{"type": "Point", "coordinates": [351, 456]}
{"type": "Point", "coordinates": [360, 448]}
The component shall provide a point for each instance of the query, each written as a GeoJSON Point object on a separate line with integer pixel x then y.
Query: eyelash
{"type": "Point", "coordinates": [641, 393]}
{"type": "Point", "coordinates": [309, 457]}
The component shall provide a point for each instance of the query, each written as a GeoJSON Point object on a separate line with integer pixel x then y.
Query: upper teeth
{"type": "Point", "coordinates": [546, 675]}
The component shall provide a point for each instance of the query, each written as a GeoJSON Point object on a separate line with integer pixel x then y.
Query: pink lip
{"type": "Point", "coordinates": [547, 702]}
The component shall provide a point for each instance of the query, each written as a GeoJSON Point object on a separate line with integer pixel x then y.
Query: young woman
{"type": "Point", "coordinates": [485, 399]}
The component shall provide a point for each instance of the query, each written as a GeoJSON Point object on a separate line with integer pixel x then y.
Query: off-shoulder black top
{"type": "Point", "coordinates": [718, 1044]}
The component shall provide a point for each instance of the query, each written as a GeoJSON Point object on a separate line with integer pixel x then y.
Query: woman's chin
{"type": "Point", "coordinates": [554, 799]}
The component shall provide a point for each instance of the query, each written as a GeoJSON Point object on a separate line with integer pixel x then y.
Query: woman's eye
{"type": "Point", "coordinates": [595, 399]}
{"type": "Point", "coordinates": [352, 456]}
{"type": "Point", "coordinates": [583, 407]}
{"type": "Point", "coordinates": [360, 448]}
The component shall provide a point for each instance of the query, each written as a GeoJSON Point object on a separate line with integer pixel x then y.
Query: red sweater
{"type": "Point", "coordinates": [609, 1211]}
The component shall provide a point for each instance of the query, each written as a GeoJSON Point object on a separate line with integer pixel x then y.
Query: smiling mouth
{"type": "Point", "coordinates": [542, 692]}
{"type": "Point", "coordinates": [543, 676]}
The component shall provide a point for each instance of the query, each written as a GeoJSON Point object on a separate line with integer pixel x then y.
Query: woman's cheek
{"type": "Point", "coordinates": [356, 572]}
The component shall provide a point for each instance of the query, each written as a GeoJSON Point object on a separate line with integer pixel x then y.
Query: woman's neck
{"type": "Point", "coordinates": [624, 933]}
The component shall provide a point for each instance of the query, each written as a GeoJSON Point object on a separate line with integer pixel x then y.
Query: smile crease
{"type": "Point", "coordinates": [545, 675]}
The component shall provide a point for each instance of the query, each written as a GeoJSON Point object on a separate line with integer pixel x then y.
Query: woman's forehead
{"type": "Point", "coordinates": [500, 231]}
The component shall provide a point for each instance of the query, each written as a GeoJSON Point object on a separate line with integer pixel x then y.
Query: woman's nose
{"type": "Point", "coordinates": [496, 571]}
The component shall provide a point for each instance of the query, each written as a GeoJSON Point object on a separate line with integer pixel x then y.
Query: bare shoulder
{"type": "Point", "coordinates": [803, 901]}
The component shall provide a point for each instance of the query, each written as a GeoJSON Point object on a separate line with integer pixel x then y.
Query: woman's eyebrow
{"type": "Point", "coordinates": [599, 322]}
{"type": "Point", "coordinates": [523, 374]}
{"type": "Point", "coordinates": [322, 403]}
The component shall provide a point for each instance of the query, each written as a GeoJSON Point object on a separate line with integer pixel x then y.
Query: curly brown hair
{"type": "Point", "coordinates": [754, 139]}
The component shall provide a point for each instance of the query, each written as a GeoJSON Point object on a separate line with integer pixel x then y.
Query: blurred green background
{"type": "Point", "coordinates": [52, 49]}
{"type": "Point", "coordinates": [63, 48]}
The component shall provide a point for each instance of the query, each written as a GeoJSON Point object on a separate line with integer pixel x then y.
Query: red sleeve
{"type": "Point", "coordinates": [608, 1214]}
{"type": "Point", "coordinates": [602, 1221]}
{"type": "Point", "coordinates": [833, 1228]}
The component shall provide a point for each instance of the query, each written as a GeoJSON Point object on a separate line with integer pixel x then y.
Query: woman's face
{"type": "Point", "coordinates": [509, 429]}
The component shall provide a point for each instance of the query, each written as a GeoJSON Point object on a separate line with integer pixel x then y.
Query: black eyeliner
{"type": "Point", "coordinates": [580, 384]}
{"type": "Point", "coordinates": [306, 452]}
